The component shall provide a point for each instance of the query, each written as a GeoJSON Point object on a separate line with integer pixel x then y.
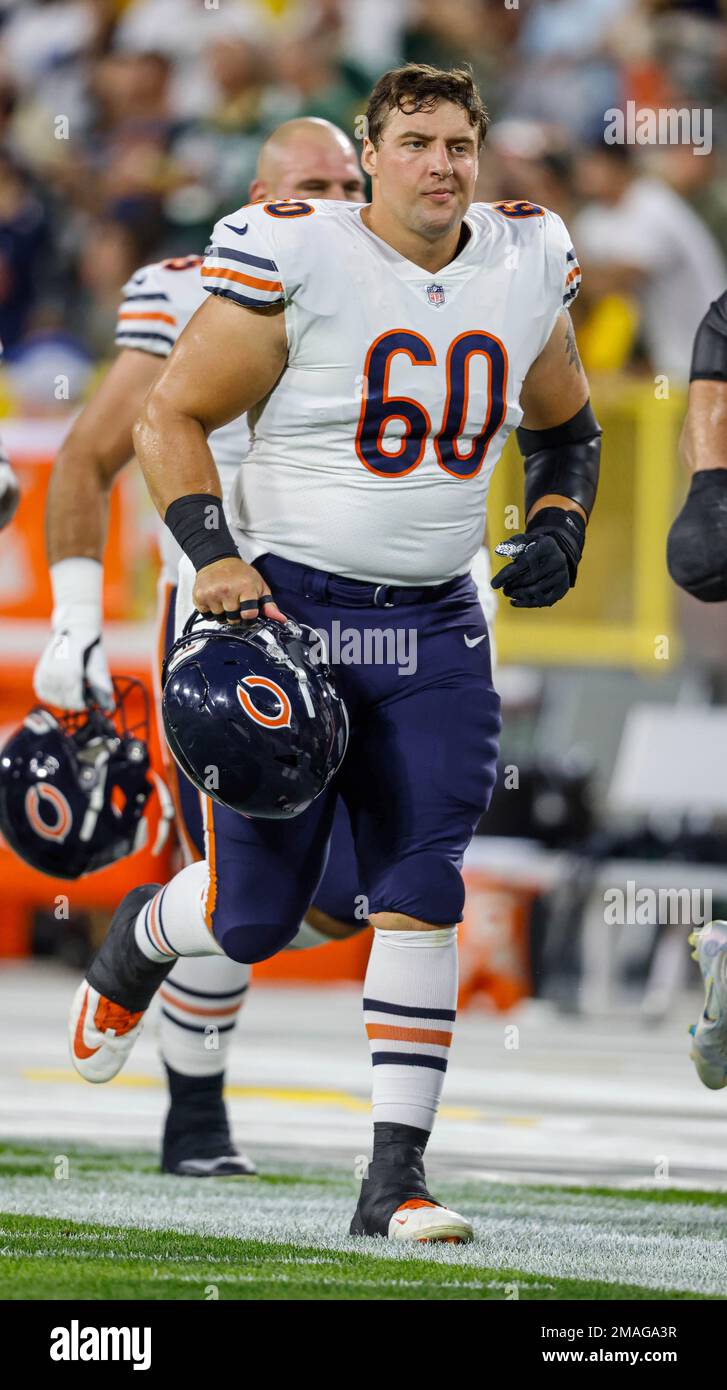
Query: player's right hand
{"type": "Point", "coordinates": [68, 657]}
{"type": "Point", "coordinates": [231, 590]}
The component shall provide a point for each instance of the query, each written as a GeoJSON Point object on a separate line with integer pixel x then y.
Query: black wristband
{"type": "Point", "coordinates": [198, 525]}
{"type": "Point", "coordinates": [567, 528]}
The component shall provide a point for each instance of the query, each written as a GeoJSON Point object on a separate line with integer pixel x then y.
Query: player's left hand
{"type": "Point", "coordinates": [544, 559]}
{"type": "Point", "coordinates": [9, 493]}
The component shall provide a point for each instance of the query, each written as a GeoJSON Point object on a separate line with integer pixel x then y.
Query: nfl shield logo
{"type": "Point", "coordinates": [435, 294]}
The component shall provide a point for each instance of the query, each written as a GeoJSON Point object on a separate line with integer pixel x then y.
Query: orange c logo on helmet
{"type": "Point", "coordinates": [270, 721]}
{"type": "Point", "coordinates": [63, 813]}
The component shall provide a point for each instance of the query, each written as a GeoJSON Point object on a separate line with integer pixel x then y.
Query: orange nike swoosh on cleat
{"type": "Point", "coordinates": [411, 1204]}
{"type": "Point", "coordinates": [79, 1047]}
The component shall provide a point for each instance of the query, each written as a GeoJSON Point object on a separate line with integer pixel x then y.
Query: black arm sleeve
{"type": "Point", "coordinates": [564, 459]}
{"type": "Point", "coordinates": [709, 355]}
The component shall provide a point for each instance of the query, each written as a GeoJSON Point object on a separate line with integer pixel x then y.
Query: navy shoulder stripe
{"type": "Point", "coordinates": [226, 252]}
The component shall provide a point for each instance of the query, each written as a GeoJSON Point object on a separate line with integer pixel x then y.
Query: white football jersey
{"type": "Point", "coordinates": [372, 455]}
{"type": "Point", "coordinates": [157, 303]}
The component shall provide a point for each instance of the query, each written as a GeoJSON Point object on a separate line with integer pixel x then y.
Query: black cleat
{"type": "Point", "coordinates": [197, 1141]}
{"type": "Point", "coordinates": [395, 1201]}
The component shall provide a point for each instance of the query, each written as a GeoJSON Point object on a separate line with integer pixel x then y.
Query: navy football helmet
{"type": "Point", "coordinates": [74, 786]}
{"type": "Point", "coordinates": [252, 717]}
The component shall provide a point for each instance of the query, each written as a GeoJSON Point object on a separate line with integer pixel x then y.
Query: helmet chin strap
{"type": "Point", "coordinates": [96, 799]}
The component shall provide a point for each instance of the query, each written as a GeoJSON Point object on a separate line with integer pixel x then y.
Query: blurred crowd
{"type": "Point", "coordinates": [128, 126]}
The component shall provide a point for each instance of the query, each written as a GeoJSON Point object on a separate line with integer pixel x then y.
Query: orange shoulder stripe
{"type": "Point", "coordinates": [223, 274]}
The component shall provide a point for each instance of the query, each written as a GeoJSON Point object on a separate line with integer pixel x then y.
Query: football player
{"type": "Point", "coordinates": [697, 560]}
{"type": "Point", "coordinates": [384, 353]}
{"type": "Point", "coordinates": [202, 998]}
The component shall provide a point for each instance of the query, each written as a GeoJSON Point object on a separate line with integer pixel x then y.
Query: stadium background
{"type": "Point", "coordinates": [125, 130]}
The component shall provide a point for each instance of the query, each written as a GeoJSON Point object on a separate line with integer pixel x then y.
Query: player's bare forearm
{"type": "Point", "coordinates": [95, 450]}
{"type": "Point", "coordinates": [703, 443]}
{"type": "Point", "coordinates": [227, 360]}
{"type": "Point", "coordinates": [554, 390]}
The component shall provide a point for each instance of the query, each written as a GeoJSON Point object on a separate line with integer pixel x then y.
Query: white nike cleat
{"type": "Point", "coordinates": [425, 1221]}
{"type": "Point", "coordinates": [102, 1028]}
{"type": "Point", "coordinates": [101, 1034]}
{"type": "Point", "coordinates": [709, 1035]}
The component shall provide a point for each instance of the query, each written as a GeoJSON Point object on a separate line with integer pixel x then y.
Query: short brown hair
{"type": "Point", "coordinates": [420, 87]}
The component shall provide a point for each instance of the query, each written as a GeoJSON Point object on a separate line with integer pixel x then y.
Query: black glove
{"type": "Point", "coordinates": [696, 548]}
{"type": "Point", "coordinates": [545, 559]}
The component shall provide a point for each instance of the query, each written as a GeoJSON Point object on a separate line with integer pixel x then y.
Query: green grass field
{"type": "Point", "coordinates": [86, 1223]}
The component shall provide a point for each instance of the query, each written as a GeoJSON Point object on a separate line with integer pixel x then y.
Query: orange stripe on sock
{"type": "Point", "coordinates": [422, 1035]}
{"type": "Point", "coordinates": [158, 941]}
{"type": "Point", "coordinates": [192, 1008]}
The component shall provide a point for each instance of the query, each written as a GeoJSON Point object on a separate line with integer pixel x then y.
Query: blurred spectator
{"type": "Point", "coordinates": [184, 30]}
{"type": "Point", "coordinates": [567, 73]}
{"type": "Point", "coordinates": [110, 251]}
{"type": "Point", "coordinates": [218, 152]}
{"type": "Point", "coordinates": [48, 372]}
{"type": "Point", "coordinates": [311, 81]}
{"type": "Point", "coordinates": [636, 236]}
{"type": "Point", "coordinates": [533, 160]}
{"type": "Point", "coordinates": [23, 233]}
{"type": "Point", "coordinates": [127, 126]}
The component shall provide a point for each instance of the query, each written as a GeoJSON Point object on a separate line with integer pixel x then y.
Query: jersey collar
{"type": "Point", "coordinates": [409, 270]}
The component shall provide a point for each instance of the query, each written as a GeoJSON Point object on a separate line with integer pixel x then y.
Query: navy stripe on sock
{"type": "Point", "coordinates": [150, 938]}
{"type": "Point", "coordinates": [198, 1027]}
{"type": "Point", "coordinates": [206, 993]}
{"type": "Point", "coordinates": [408, 1059]}
{"type": "Point", "coordinates": [161, 923]}
{"type": "Point", "coordinates": [380, 1006]}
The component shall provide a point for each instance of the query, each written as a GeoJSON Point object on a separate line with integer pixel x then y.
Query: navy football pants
{"type": "Point", "coordinates": [417, 776]}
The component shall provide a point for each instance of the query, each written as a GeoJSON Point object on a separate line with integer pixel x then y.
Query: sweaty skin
{"type": "Point", "coordinates": [703, 442]}
{"type": "Point", "coordinates": [423, 176]}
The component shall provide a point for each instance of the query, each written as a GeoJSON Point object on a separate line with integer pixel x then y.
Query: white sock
{"type": "Point", "coordinates": [307, 936]}
{"type": "Point", "coordinates": [173, 922]}
{"type": "Point", "coordinates": [410, 1002]}
{"type": "Point", "coordinates": [201, 999]}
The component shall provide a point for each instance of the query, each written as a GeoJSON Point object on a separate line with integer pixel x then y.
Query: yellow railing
{"type": "Point", "coordinates": [621, 611]}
